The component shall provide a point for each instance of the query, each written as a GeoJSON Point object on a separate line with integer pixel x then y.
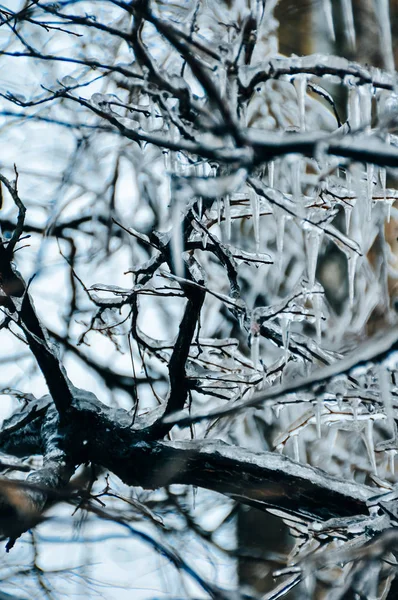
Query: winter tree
{"type": "Point", "coordinates": [198, 283]}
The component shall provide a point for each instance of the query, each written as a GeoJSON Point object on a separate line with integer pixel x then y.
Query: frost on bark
{"type": "Point", "coordinates": [198, 267]}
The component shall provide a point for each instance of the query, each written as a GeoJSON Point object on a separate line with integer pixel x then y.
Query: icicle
{"type": "Point", "coordinates": [177, 236]}
{"type": "Point", "coordinates": [327, 8]}
{"type": "Point", "coordinates": [369, 174]}
{"type": "Point", "coordinates": [318, 418]}
{"type": "Point", "coordinates": [383, 16]}
{"type": "Point", "coordinates": [296, 451]}
{"type": "Point", "coordinates": [271, 173]}
{"type": "Point", "coordinates": [352, 263]}
{"type": "Point", "coordinates": [317, 306]}
{"type": "Point", "coordinates": [280, 219]}
{"type": "Point", "coordinates": [365, 104]}
{"type": "Point", "coordinates": [355, 405]}
{"type": "Point", "coordinates": [152, 116]}
{"type": "Point", "coordinates": [255, 206]}
{"type": "Point", "coordinates": [227, 216]}
{"type": "Point", "coordinates": [205, 239]}
{"type": "Point", "coordinates": [391, 460]}
{"type": "Point", "coordinates": [313, 242]}
{"type": "Point", "coordinates": [285, 328]}
{"type": "Point", "coordinates": [385, 394]}
{"type": "Point", "coordinates": [353, 108]}
{"type": "Point", "coordinates": [255, 349]}
{"type": "Point", "coordinates": [300, 83]}
{"type": "Point", "coordinates": [296, 179]}
{"type": "Point", "coordinates": [166, 158]}
{"type": "Point", "coordinates": [219, 210]}
{"type": "Point", "coordinates": [348, 18]}
{"type": "Point", "coordinates": [383, 180]}
{"type": "Point", "coordinates": [347, 214]}
{"type": "Point", "coordinates": [370, 444]}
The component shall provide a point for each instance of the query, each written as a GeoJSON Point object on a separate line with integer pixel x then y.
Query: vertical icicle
{"type": "Point", "coordinates": [383, 180]}
{"type": "Point", "coordinates": [152, 117]}
{"type": "Point", "coordinates": [382, 11]}
{"type": "Point", "coordinates": [385, 393]}
{"type": "Point", "coordinates": [391, 460]}
{"type": "Point", "coordinates": [318, 418]}
{"type": "Point", "coordinates": [369, 175]}
{"type": "Point", "coordinates": [255, 206]}
{"type": "Point", "coordinates": [227, 216]}
{"type": "Point", "coordinates": [285, 328]}
{"type": "Point", "coordinates": [352, 263]}
{"type": "Point", "coordinates": [353, 108]}
{"type": "Point", "coordinates": [355, 405]}
{"type": "Point", "coordinates": [271, 173]}
{"type": "Point", "coordinates": [177, 243]}
{"type": "Point", "coordinates": [280, 220]}
{"type": "Point", "coordinates": [347, 214]}
{"type": "Point", "coordinates": [327, 9]}
{"type": "Point", "coordinates": [317, 306]}
{"type": "Point", "coordinates": [219, 210]}
{"type": "Point", "coordinates": [313, 242]}
{"type": "Point", "coordinates": [300, 83]}
{"type": "Point", "coordinates": [370, 444]}
{"type": "Point", "coordinates": [296, 451]}
{"type": "Point", "coordinates": [296, 179]}
{"type": "Point", "coordinates": [348, 18]}
{"type": "Point", "coordinates": [255, 349]}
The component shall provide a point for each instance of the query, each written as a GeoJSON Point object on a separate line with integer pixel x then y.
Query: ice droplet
{"type": "Point", "coordinates": [69, 81]}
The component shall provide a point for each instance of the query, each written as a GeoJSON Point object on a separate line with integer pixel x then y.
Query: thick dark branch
{"type": "Point", "coordinates": [260, 479]}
